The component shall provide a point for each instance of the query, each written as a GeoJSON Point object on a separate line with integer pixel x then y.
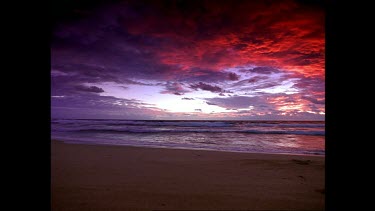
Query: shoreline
{"type": "Point", "coordinates": [107, 177]}
{"type": "Point", "coordinates": [182, 148]}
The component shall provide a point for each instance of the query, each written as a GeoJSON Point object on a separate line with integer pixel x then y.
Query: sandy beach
{"type": "Point", "coordinates": [98, 177]}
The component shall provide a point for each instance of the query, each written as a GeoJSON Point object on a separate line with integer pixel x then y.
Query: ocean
{"type": "Point", "coordinates": [280, 137]}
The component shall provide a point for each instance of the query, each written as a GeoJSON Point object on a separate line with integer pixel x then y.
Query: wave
{"type": "Point", "coordinates": [133, 130]}
{"type": "Point", "coordinates": [147, 123]}
{"type": "Point", "coordinates": [243, 136]}
{"type": "Point", "coordinates": [313, 133]}
{"type": "Point", "coordinates": [223, 124]}
{"type": "Point", "coordinates": [194, 146]}
{"type": "Point", "coordinates": [293, 125]}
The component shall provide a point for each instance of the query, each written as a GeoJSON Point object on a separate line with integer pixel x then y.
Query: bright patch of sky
{"type": "Point", "coordinates": [152, 95]}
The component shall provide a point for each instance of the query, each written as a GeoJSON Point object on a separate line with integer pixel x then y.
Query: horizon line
{"type": "Point", "coordinates": [188, 119]}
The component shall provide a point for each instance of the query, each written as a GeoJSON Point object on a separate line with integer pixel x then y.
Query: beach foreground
{"type": "Point", "coordinates": [98, 177]}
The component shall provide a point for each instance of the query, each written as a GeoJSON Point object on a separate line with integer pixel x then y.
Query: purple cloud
{"type": "Point", "coordinates": [165, 49]}
{"type": "Point", "coordinates": [174, 88]}
{"type": "Point", "coordinates": [257, 78]}
{"type": "Point", "coordinates": [262, 70]}
{"type": "Point", "coordinates": [233, 77]}
{"type": "Point", "coordinates": [208, 103]}
{"type": "Point", "coordinates": [93, 89]}
{"type": "Point", "coordinates": [206, 87]}
{"type": "Point", "coordinates": [313, 100]}
{"type": "Point", "coordinates": [237, 102]}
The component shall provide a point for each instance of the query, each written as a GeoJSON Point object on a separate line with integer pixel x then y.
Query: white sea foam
{"type": "Point", "coordinates": [241, 136]}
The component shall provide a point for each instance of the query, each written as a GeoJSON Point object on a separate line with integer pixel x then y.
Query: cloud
{"type": "Point", "coordinates": [265, 85]}
{"type": "Point", "coordinates": [159, 39]}
{"type": "Point", "coordinates": [128, 81]}
{"type": "Point", "coordinates": [87, 100]}
{"type": "Point", "coordinates": [310, 84]}
{"type": "Point", "coordinates": [83, 71]}
{"type": "Point", "coordinates": [268, 104]}
{"type": "Point", "coordinates": [233, 76]}
{"type": "Point", "coordinates": [93, 89]}
{"type": "Point", "coordinates": [194, 74]}
{"type": "Point", "coordinates": [248, 49]}
{"type": "Point", "coordinates": [263, 70]}
{"type": "Point", "coordinates": [187, 98]}
{"type": "Point", "coordinates": [237, 102]}
{"type": "Point", "coordinates": [174, 88]}
{"type": "Point", "coordinates": [206, 87]}
{"type": "Point", "coordinates": [313, 100]}
{"type": "Point", "coordinates": [257, 79]}
{"type": "Point", "coordinates": [200, 110]}
{"type": "Point", "coordinates": [96, 106]}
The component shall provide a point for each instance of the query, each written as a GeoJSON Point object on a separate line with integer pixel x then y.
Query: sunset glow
{"type": "Point", "coordinates": [190, 60]}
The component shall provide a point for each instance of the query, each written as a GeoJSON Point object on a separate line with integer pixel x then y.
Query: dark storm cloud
{"type": "Point", "coordinates": [206, 87]}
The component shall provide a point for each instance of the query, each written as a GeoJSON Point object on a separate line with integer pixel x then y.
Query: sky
{"type": "Point", "coordinates": [189, 60]}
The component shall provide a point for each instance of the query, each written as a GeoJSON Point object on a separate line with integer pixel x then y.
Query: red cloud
{"type": "Point", "coordinates": [220, 34]}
